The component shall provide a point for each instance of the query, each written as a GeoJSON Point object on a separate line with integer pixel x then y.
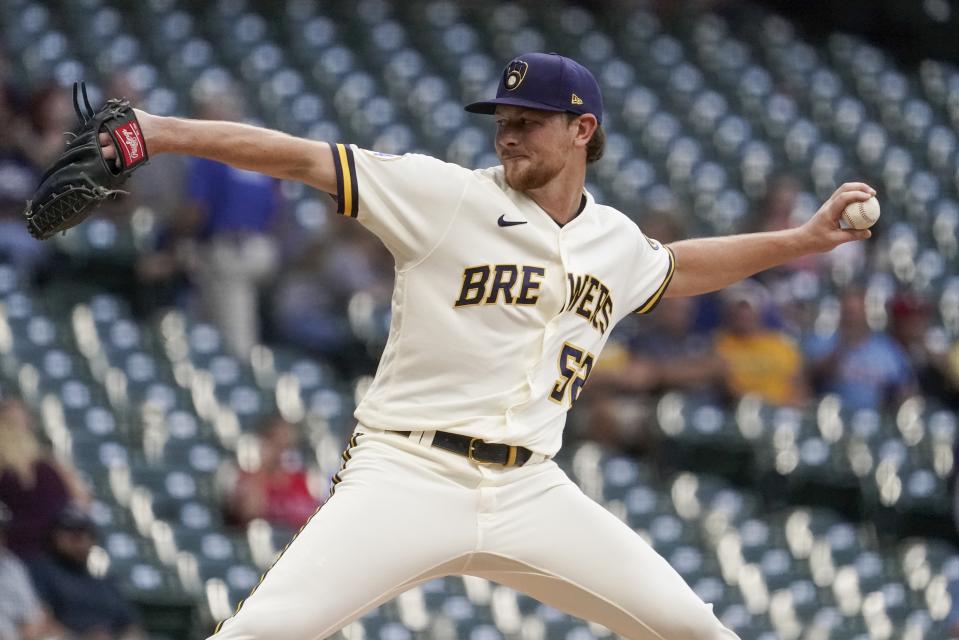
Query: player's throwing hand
{"type": "Point", "coordinates": [823, 232]}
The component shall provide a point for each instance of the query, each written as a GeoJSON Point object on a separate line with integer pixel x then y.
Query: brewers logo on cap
{"type": "Point", "coordinates": [515, 73]}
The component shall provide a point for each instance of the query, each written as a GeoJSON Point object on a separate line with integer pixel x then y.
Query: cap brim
{"type": "Point", "coordinates": [488, 107]}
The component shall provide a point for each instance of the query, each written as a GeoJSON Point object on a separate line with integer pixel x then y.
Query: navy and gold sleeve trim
{"type": "Point", "coordinates": [347, 200]}
{"type": "Point", "coordinates": [654, 299]}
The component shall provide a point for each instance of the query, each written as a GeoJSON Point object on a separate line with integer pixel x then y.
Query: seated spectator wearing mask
{"type": "Point", "coordinates": [88, 606]}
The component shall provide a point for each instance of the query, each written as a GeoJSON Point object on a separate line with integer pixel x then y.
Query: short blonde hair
{"type": "Point", "coordinates": [19, 450]}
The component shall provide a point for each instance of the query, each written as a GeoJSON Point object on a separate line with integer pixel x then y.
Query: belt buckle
{"type": "Point", "coordinates": [469, 452]}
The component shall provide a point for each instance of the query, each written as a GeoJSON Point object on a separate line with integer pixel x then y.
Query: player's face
{"type": "Point", "coordinates": [533, 145]}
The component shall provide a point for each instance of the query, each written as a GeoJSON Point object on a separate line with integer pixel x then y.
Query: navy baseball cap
{"type": "Point", "coordinates": [546, 81]}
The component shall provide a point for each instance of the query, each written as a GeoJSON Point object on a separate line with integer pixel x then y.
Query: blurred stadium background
{"type": "Point", "coordinates": [818, 521]}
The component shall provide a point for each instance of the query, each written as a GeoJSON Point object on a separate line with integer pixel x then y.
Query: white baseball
{"type": "Point", "coordinates": [861, 215]}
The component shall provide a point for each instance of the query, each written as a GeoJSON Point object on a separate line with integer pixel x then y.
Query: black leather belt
{"type": "Point", "coordinates": [477, 450]}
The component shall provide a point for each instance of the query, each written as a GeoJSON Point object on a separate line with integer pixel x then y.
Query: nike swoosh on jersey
{"type": "Point", "coordinates": [503, 222]}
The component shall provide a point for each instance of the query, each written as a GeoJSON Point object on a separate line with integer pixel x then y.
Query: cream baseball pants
{"type": "Point", "coordinates": [403, 512]}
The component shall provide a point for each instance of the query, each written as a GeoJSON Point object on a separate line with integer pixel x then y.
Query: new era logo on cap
{"type": "Point", "coordinates": [546, 81]}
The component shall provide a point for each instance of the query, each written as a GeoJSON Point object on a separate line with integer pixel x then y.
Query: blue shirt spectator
{"type": "Point", "coordinates": [866, 368]}
{"type": "Point", "coordinates": [80, 601]}
{"type": "Point", "coordinates": [232, 212]}
{"type": "Point", "coordinates": [867, 375]}
{"type": "Point", "coordinates": [231, 200]}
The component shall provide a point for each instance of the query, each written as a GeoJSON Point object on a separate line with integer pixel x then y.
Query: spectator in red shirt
{"type": "Point", "coordinates": [277, 489]}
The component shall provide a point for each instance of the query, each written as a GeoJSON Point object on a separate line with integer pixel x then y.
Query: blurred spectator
{"type": "Point", "coordinates": [682, 357]}
{"type": "Point", "coordinates": [667, 353]}
{"type": "Point", "coordinates": [51, 119]}
{"type": "Point", "coordinates": [90, 607]}
{"type": "Point", "coordinates": [277, 488]}
{"type": "Point", "coordinates": [868, 369]}
{"type": "Point", "coordinates": [18, 178]}
{"type": "Point", "coordinates": [614, 407]}
{"type": "Point", "coordinates": [33, 485]}
{"type": "Point", "coordinates": [310, 297]}
{"type": "Point", "coordinates": [21, 613]}
{"type": "Point", "coordinates": [779, 210]}
{"type": "Point", "coordinates": [232, 212]}
{"type": "Point", "coordinates": [928, 348]}
{"type": "Point", "coordinates": [759, 361]}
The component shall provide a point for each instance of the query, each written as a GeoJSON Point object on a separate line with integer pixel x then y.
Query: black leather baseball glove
{"type": "Point", "coordinates": [81, 177]}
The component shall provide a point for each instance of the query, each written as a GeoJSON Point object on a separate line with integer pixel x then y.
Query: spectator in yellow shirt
{"type": "Point", "coordinates": [760, 361]}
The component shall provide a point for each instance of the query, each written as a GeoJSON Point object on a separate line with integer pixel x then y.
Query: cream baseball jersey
{"type": "Point", "coordinates": [498, 313]}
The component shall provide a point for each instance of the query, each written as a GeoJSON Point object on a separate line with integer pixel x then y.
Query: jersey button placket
{"type": "Point", "coordinates": [561, 243]}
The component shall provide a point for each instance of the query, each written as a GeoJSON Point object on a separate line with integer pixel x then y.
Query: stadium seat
{"type": "Point", "coordinates": [196, 514]}
{"type": "Point", "coordinates": [643, 503]}
{"type": "Point", "coordinates": [377, 628]}
{"type": "Point", "coordinates": [240, 579]}
{"type": "Point", "coordinates": [701, 436]}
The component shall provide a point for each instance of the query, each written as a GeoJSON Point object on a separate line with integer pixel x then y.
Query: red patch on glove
{"type": "Point", "coordinates": [131, 144]}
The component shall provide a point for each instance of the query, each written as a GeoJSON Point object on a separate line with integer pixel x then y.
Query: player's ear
{"type": "Point", "coordinates": [586, 125]}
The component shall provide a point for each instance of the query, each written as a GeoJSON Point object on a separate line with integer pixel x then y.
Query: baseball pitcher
{"type": "Point", "coordinates": [508, 283]}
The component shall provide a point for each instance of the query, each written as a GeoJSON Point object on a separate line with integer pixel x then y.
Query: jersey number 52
{"type": "Point", "coordinates": [574, 367]}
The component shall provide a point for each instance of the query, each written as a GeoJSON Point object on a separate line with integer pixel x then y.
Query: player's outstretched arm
{"type": "Point", "coordinates": [709, 264]}
{"type": "Point", "coordinates": [241, 145]}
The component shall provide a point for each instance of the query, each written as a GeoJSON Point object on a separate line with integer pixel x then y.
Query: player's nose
{"type": "Point", "coordinates": [505, 140]}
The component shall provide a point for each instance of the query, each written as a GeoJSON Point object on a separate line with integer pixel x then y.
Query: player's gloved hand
{"type": "Point", "coordinates": [822, 232]}
{"type": "Point", "coordinates": [83, 176]}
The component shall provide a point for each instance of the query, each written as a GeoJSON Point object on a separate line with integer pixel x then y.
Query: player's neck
{"type": "Point", "coordinates": [561, 197]}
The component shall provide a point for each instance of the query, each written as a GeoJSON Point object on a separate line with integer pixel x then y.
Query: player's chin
{"type": "Point", "coordinates": [512, 174]}
{"type": "Point", "coordinates": [514, 163]}
{"type": "Point", "coordinates": [517, 170]}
